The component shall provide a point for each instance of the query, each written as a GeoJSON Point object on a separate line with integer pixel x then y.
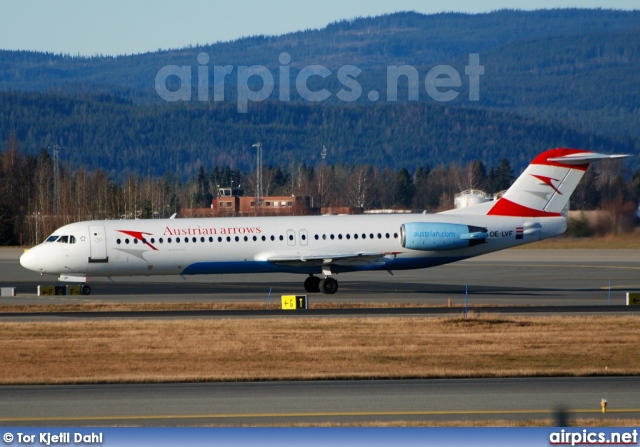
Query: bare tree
{"type": "Point", "coordinates": [360, 192]}
{"type": "Point", "coordinates": [474, 176]}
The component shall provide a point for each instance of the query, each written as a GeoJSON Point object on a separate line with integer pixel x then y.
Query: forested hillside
{"type": "Point", "coordinates": [579, 67]}
{"type": "Point", "coordinates": [119, 137]}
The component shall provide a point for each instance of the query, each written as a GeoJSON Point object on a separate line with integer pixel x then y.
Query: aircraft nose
{"type": "Point", "coordinates": [30, 260]}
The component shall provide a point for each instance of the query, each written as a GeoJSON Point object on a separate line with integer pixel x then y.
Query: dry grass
{"type": "Point", "coordinates": [610, 242]}
{"type": "Point", "coordinates": [188, 306]}
{"type": "Point", "coordinates": [550, 422]}
{"type": "Point", "coordinates": [316, 348]}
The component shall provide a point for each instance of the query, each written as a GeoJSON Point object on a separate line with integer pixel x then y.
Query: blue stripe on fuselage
{"type": "Point", "coordinates": [209, 268]}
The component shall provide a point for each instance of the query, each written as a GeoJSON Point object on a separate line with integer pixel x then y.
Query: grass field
{"type": "Point", "coordinates": [316, 348]}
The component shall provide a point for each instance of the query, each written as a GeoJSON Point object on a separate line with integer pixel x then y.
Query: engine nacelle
{"type": "Point", "coordinates": [434, 236]}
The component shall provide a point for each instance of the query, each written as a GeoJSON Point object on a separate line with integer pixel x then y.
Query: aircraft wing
{"type": "Point", "coordinates": [360, 258]}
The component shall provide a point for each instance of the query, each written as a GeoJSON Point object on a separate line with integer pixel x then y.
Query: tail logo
{"type": "Point", "coordinates": [547, 181]}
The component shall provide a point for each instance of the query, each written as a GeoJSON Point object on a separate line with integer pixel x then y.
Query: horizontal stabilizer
{"type": "Point", "coordinates": [584, 158]}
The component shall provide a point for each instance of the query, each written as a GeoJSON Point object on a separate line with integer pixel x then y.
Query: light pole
{"type": "Point", "coordinates": [258, 146]}
{"type": "Point", "coordinates": [56, 178]}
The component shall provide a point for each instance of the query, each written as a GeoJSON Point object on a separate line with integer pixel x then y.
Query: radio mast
{"type": "Point", "coordinates": [258, 146]}
{"type": "Point", "coordinates": [56, 178]}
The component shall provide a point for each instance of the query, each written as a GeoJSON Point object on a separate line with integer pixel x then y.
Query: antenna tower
{"type": "Point", "coordinates": [258, 146]}
{"type": "Point", "coordinates": [56, 178]}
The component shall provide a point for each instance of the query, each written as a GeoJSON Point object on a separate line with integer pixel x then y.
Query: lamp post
{"type": "Point", "coordinates": [258, 147]}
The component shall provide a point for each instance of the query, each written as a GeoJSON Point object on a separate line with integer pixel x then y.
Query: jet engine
{"type": "Point", "coordinates": [435, 236]}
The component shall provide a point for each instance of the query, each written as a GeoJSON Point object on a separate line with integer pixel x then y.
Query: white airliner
{"type": "Point", "coordinates": [531, 210]}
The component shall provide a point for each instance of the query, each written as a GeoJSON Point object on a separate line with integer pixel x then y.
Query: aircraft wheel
{"type": "Point", "coordinates": [312, 284]}
{"type": "Point", "coordinates": [85, 289]}
{"type": "Point", "coordinates": [328, 286]}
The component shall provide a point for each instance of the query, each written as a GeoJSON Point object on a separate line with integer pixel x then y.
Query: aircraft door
{"type": "Point", "coordinates": [97, 244]}
{"type": "Point", "coordinates": [291, 237]}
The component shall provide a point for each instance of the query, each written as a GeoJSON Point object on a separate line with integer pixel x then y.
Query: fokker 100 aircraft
{"type": "Point", "coordinates": [530, 210]}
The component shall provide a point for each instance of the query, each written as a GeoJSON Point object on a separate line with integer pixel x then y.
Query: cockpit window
{"type": "Point", "coordinates": [72, 239]}
{"type": "Point", "coordinates": [64, 239]}
{"type": "Point", "coordinates": [52, 238]}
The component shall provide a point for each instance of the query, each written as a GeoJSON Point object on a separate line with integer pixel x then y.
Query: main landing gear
{"type": "Point", "coordinates": [327, 285]}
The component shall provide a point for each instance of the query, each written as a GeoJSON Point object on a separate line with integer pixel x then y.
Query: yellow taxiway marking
{"type": "Point", "coordinates": [627, 286]}
{"type": "Point", "coordinates": [578, 266]}
{"type": "Point", "coordinates": [310, 415]}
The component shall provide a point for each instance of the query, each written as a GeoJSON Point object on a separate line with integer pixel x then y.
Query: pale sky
{"type": "Point", "coordinates": [114, 27]}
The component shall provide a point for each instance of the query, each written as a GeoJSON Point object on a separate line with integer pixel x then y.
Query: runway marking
{"type": "Point", "coordinates": [627, 286]}
{"type": "Point", "coordinates": [583, 266]}
{"type": "Point", "coordinates": [310, 415]}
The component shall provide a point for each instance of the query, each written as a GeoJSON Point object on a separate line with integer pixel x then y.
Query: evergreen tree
{"type": "Point", "coordinates": [501, 178]}
{"type": "Point", "coordinates": [404, 189]}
